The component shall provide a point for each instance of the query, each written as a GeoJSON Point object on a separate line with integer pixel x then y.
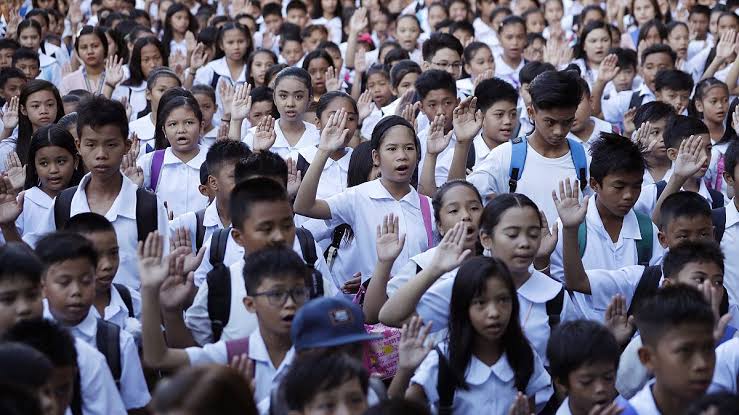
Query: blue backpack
{"type": "Point", "coordinates": [518, 160]}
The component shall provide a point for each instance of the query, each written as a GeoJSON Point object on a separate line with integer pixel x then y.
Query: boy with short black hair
{"type": "Point", "coordinates": [12, 81]}
{"type": "Point", "coordinates": [24, 366]}
{"type": "Point", "coordinates": [7, 49]}
{"type": "Point", "coordinates": [586, 128]}
{"type": "Point", "coordinates": [443, 51]}
{"type": "Point", "coordinates": [527, 75]}
{"type": "Point", "coordinates": [673, 86]}
{"type": "Point", "coordinates": [296, 13]}
{"type": "Point", "coordinates": [726, 221]}
{"type": "Point", "coordinates": [627, 63]}
{"type": "Point", "coordinates": [658, 114]}
{"type": "Point", "coordinates": [70, 263]}
{"type": "Point", "coordinates": [28, 62]}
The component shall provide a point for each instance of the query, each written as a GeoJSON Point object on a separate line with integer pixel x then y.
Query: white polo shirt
{"type": "Point", "coordinates": [333, 176]}
{"type": "Point", "coordinates": [643, 402]}
{"type": "Point", "coordinates": [116, 311]}
{"type": "Point", "coordinates": [729, 242]}
{"type": "Point", "coordinates": [211, 222]}
{"type": "Point", "coordinates": [310, 138]}
{"type": "Point", "coordinates": [605, 283]}
{"type": "Point", "coordinates": [443, 159]}
{"type": "Point", "coordinates": [97, 387]}
{"type": "Point", "coordinates": [648, 197]}
{"type": "Point", "coordinates": [136, 96]}
{"type": "Point", "coordinates": [36, 205]}
{"type": "Point", "coordinates": [616, 104]}
{"type": "Point", "coordinates": [204, 76]}
{"type": "Point", "coordinates": [144, 129]}
{"type": "Point", "coordinates": [727, 367]}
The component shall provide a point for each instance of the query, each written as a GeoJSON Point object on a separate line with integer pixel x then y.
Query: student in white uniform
{"type": "Point", "coordinates": [290, 133]}
{"type": "Point", "coordinates": [206, 97]}
{"type": "Point", "coordinates": [330, 18]}
{"type": "Point", "coordinates": [29, 34]}
{"type": "Point", "coordinates": [586, 128]}
{"type": "Point", "coordinates": [509, 62]}
{"type": "Point", "coordinates": [147, 54]}
{"type": "Point", "coordinates": [177, 22]}
{"type": "Point", "coordinates": [485, 305]}
{"type": "Point", "coordinates": [728, 234]}
{"type": "Point", "coordinates": [478, 63]}
{"type": "Point", "coordinates": [159, 81]}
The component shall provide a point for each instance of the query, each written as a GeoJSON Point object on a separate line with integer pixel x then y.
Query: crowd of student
{"type": "Point", "coordinates": [369, 207]}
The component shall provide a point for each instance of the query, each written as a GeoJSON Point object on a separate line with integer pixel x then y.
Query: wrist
{"type": "Point", "coordinates": [109, 85]}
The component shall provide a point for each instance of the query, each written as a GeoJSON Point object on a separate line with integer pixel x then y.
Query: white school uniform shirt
{"type": "Point", "coordinates": [465, 86]}
{"type": "Point", "coordinates": [711, 177]}
{"type": "Point", "coordinates": [506, 72]}
{"type": "Point", "coordinates": [491, 389]}
{"type": "Point", "coordinates": [136, 96]}
{"type": "Point", "coordinates": [50, 69]}
{"type": "Point", "coordinates": [697, 46]}
{"type": "Point", "coordinates": [36, 205]}
{"type": "Point", "coordinates": [122, 215]}
{"type": "Point", "coordinates": [211, 222]}
{"type": "Point", "coordinates": [643, 402]}
{"type": "Point", "coordinates": [178, 181]}
{"type": "Point", "coordinates": [144, 129]}
{"type": "Point", "coordinates": [204, 76]}
{"type": "Point", "coordinates": [696, 65]}
{"type": "Point", "coordinates": [616, 104]}
{"type": "Point", "coordinates": [266, 375]}
{"type": "Point", "coordinates": [605, 283]}
{"type": "Point", "coordinates": [310, 138]}
{"type": "Point", "coordinates": [727, 368]}
{"type": "Point", "coordinates": [599, 126]}
{"type": "Point", "coordinates": [344, 266]}
{"type": "Point", "coordinates": [648, 197]}
{"type": "Point", "coordinates": [410, 270]}
{"type": "Point", "coordinates": [728, 245]}
{"type": "Point", "coordinates": [334, 27]}
{"type": "Point", "coordinates": [209, 138]}
{"type": "Point", "coordinates": [99, 393]}
{"type": "Point", "coordinates": [133, 389]}
{"type": "Point", "coordinates": [540, 176]}
{"type": "Point", "coordinates": [363, 207]}
{"type": "Point", "coordinates": [481, 149]}
{"type": "Point", "coordinates": [443, 159]}
{"type": "Point", "coordinates": [588, 74]}
{"type": "Point", "coordinates": [175, 46]}
{"type": "Point", "coordinates": [116, 311]}
{"type": "Point", "coordinates": [486, 35]}
{"type": "Point", "coordinates": [602, 253]}
{"type": "Point", "coordinates": [333, 176]}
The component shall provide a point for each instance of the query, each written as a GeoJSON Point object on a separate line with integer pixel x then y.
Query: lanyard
{"type": "Point", "coordinates": [87, 83]}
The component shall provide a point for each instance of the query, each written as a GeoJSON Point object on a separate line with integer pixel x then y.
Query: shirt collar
{"type": "Point", "coordinates": [37, 196]}
{"type": "Point", "coordinates": [311, 132]}
{"type": "Point", "coordinates": [539, 288]}
{"type": "Point", "coordinates": [258, 350]}
{"type": "Point", "coordinates": [220, 67]}
{"type": "Point", "coordinates": [375, 190]}
{"type": "Point", "coordinates": [211, 217]}
{"type": "Point", "coordinates": [732, 214]}
{"type": "Point", "coordinates": [479, 372]}
{"type": "Point", "coordinates": [86, 329]}
{"type": "Point", "coordinates": [195, 162]}
{"type": "Point", "coordinates": [121, 205]}
{"type": "Point", "coordinates": [629, 228]}
{"type": "Point", "coordinates": [645, 91]}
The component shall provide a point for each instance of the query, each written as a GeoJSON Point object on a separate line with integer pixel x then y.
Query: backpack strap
{"type": "Point", "coordinates": [199, 229]}
{"type": "Point", "coordinates": [156, 168]}
{"type": "Point", "coordinates": [582, 238]}
{"type": "Point", "coordinates": [107, 340]}
{"type": "Point", "coordinates": [219, 284]}
{"type": "Point", "coordinates": [518, 159]}
{"type": "Point", "coordinates": [75, 406]}
{"type": "Point", "coordinates": [308, 249]}
{"type": "Point", "coordinates": [147, 213]}
{"type": "Point", "coordinates": [718, 217]}
{"type": "Point", "coordinates": [647, 286]}
{"type": "Point", "coordinates": [426, 214]}
{"type": "Point", "coordinates": [580, 161]}
{"type": "Point", "coordinates": [125, 294]}
{"type": "Point", "coordinates": [644, 245]}
{"type": "Point", "coordinates": [661, 185]}
{"type": "Point", "coordinates": [554, 308]}
{"type": "Point", "coordinates": [63, 207]}
{"type": "Point", "coordinates": [214, 80]}
{"type": "Point", "coordinates": [636, 100]}
{"type": "Point", "coordinates": [717, 199]}
{"type": "Point", "coordinates": [444, 385]}
{"type": "Point", "coordinates": [302, 165]}
{"type": "Point", "coordinates": [471, 157]}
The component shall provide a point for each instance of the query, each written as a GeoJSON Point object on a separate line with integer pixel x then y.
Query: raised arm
{"type": "Point", "coordinates": [607, 72]}
{"type": "Point", "coordinates": [724, 50]}
{"type": "Point", "coordinates": [467, 122]}
{"type": "Point", "coordinates": [389, 245]}
{"type": "Point", "coordinates": [436, 142]}
{"type": "Point", "coordinates": [572, 214]}
{"type": "Point", "coordinates": [240, 108]}
{"type": "Point", "coordinates": [690, 159]}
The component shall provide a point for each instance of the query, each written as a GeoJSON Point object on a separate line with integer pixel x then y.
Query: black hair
{"type": "Point", "coordinates": [224, 152]}
{"type": "Point", "coordinates": [471, 50]}
{"type": "Point", "coordinates": [300, 74]}
{"type": "Point", "coordinates": [658, 48]}
{"type": "Point", "coordinates": [500, 10]}
{"type": "Point", "coordinates": [273, 71]}
{"type": "Point", "coordinates": [674, 25]}
{"type": "Point", "coordinates": [17, 260]}
{"type": "Point", "coordinates": [401, 69]}
{"type": "Point", "coordinates": [95, 31]}
{"type": "Point", "coordinates": [38, 12]}
{"type": "Point", "coordinates": [171, 100]}
{"type": "Point", "coordinates": [378, 69]}
{"type": "Point", "coordinates": [264, 94]}
{"type": "Point", "coordinates": [626, 57]}
{"type": "Point", "coordinates": [7, 74]}
{"type": "Point", "coordinates": [435, 79]}
{"type": "Point", "coordinates": [680, 127]}
{"type": "Point", "coordinates": [360, 167]}
{"type": "Point", "coordinates": [15, 399]}
{"type": "Point", "coordinates": [676, 258]}
{"type": "Point", "coordinates": [723, 403]}
{"type": "Point", "coordinates": [673, 79]}
{"type": "Point", "coordinates": [683, 204]}
{"type": "Point", "coordinates": [700, 9]}
{"type": "Point", "coordinates": [261, 164]}
{"type": "Point", "coordinates": [438, 199]}
{"type": "Point", "coordinates": [234, 26]}
{"type": "Point", "coordinates": [555, 89]}
{"type": "Point", "coordinates": [58, 247]}
{"type": "Point", "coordinates": [26, 53]}
{"type": "Point", "coordinates": [613, 153]}
{"type": "Point", "coordinates": [731, 157]}
{"type": "Point", "coordinates": [6, 43]}
{"type": "Point", "coordinates": [438, 41]}
{"type": "Point", "coordinates": [494, 210]}
{"type": "Point", "coordinates": [318, 9]}
{"type": "Point", "coordinates": [208, 36]}
{"type": "Point", "coordinates": [76, 95]}
{"type": "Point", "coordinates": [137, 74]}
{"type": "Point", "coordinates": [512, 20]}
{"type": "Point", "coordinates": [474, 274]}
{"type": "Point", "coordinates": [296, 5]}
{"type": "Point", "coordinates": [573, 344]}
{"type": "Point", "coordinates": [250, 61]}
{"type": "Point", "coordinates": [317, 54]}
{"type": "Point", "coordinates": [167, 34]}
{"type": "Point", "coordinates": [253, 190]}
{"type": "Point", "coordinates": [51, 135]}
{"type": "Point", "coordinates": [289, 32]}
{"type": "Point", "coordinates": [329, 97]}
{"type": "Point", "coordinates": [729, 127]}
{"type": "Point", "coordinates": [48, 337]}
{"type": "Point", "coordinates": [272, 262]}
{"type": "Point", "coordinates": [24, 365]}
{"type": "Point", "coordinates": [25, 24]}
{"type": "Point", "coordinates": [533, 69]}
{"type": "Point", "coordinates": [308, 30]}
{"type": "Point", "coordinates": [330, 370]}
{"type": "Point", "coordinates": [653, 111]}
{"type": "Point", "coordinates": [591, 8]}
{"type": "Point", "coordinates": [70, 120]}
{"type": "Point", "coordinates": [652, 24]}
{"type": "Point", "coordinates": [579, 50]}
{"type": "Point", "coordinates": [88, 222]}
{"type": "Point", "coordinates": [24, 124]}
{"type": "Point", "coordinates": [397, 406]}
{"type": "Point", "coordinates": [493, 90]}
{"type": "Point", "coordinates": [670, 307]}
{"type": "Point", "coordinates": [384, 125]}
{"type": "Point", "coordinates": [396, 55]}
{"type": "Point", "coordinates": [272, 9]}
{"type": "Point", "coordinates": [99, 111]}
{"type": "Point", "coordinates": [462, 25]}
{"type": "Point", "coordinates": [202, 89]}
{"type": "Point", "coordinates": [533, 37]}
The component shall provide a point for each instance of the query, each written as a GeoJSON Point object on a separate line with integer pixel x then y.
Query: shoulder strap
{"type": "Point", "coordinates": [636, 100]}
{"type": "Point", "coordinates": [426, 214]}
{"type": "Point", "coordinates": [717, 199]}
{"type": "Point", "coordinates": [214, 80]}
{"type": "Point", "coordinates": [219, 284]}
{"type": "Point", "coordinates": [444, 385]}
{"type": "Point", "coordinates": [718, 216]}
{"type": "Point", "coordinates": [582, 238]}
{"type": "Point", "coordinates": [554, 308]}
{"type": "Point", "coordinates": [236, 347]}
{"type": "Point", "coordinates": [63, 207]}
{"type": "Point", "coordinates": [471, 157]}
{"type": "Point", "coordinates": [302, 165]}
{"type": "Point", "coordinates": [199, 229]}
{"type": "Point", "coordinates": [518, 160]}
{"type": "Point", "coordinates": [107, 340]}
{"type": "Point", "coordinates": [156, 168]}
{"type": "Point", "coordinates": [660, 188]}
{"type": "Point", "coordinates": [644, 245]}
{"type": "Point", "coordinates": [580, 161]}
{"type": "Point", "coordinates": [147, 213]}
{"type": "Point", "coordinates": [308, 249]}
{"type": "Point", "coordinates": [647, 286]}
{"type": "Point", "coordinates": [75, 406]}
{"type": "Point", "coordinates": [218, 242]}
{"type": "Point", "coordinates": [126, 297]}
{"type": "Point", "coordinates": [720, 167]}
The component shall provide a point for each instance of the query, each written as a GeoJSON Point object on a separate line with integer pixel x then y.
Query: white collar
{"type": "Point", "coordinates": [629, 228]}
{"type": "Point", "coordinates": [643, 402]}
{"type": "Point", "coordinates": [195, 162]}
{"type": "Point", "coordinates": [478, 372]}
{"type": "Point", "coordinates": [258, 350]}
{"type": "Point", "coordinates": [732, 214]}
{"type": "Point", "coordinates": [121, 205]}
{"type": "Point", "coordinates": [211, 217]}
{"type": "Point", "coordinates": [309, 153]}
{"type": "Point", "coordinates": [87, 328]}
{"type": "Point", "coordinates": [375, 190]}
{"type": "Point", "coordinates": [220, 67]}
{"type": "Point", "coordinates": [539, 288]}
{"type": "Point", "coordinates": [311, 132]}
{"type": "Point", "coordinates": [39, 197]}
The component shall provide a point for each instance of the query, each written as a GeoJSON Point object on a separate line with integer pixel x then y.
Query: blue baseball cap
{"type": "Point", "coordinates": [327, 322]}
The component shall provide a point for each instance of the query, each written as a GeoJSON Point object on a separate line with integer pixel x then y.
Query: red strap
{"type": "Point", "coordinates": [426, 213]}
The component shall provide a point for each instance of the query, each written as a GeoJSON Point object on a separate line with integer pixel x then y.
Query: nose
{"type": "Point", "coordinates": [24, 307]}
{"type": "Point", "coordinates": [465, 213]}
{"type": "Point", "coordinates": [492, 311]}
{"type": "Point", "coordinates": [277, 237]}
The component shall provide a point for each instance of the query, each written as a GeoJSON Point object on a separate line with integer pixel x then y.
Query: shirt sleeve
{"type": "Point", "coordinates": [396, 281]}
{"type": "Point", "coordinates": [134, 391]}
{"type": "Point", "coordinates": [197, 319]}
{"type": "Point", "coordinates": [203, 76]}
{"type": "Point", "coordinates": [213, 353]}
{"type": "Point", "coordinates": [343, 206]}
{"type": "Point", "coordinates": [540, 384]}
{"type": "Point", "coordinates": [615, 105]}
{"type": "Point", "coordinates": [727, 367]}
{"type": "Point", "coordinates": [204, 268]}
{"type": "Point", "coordinates": [434, 304]}
{"type": "Point", "coordinates": [604, 284]}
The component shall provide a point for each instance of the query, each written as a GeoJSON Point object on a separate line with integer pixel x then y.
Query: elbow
{"type": "Point", "coordinates": [386, 317]}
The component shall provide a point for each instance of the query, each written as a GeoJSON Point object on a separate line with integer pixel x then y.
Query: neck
{"type": "Point", "coordinates": [520, 278]}
{"type": "Point", "coordinates": [153, 116]}
{"type": "Point", "coordinates": [277, 345]}
{"type": "Point", "coordinates": [667, 402]}
{"type": "Point", "coordinates": [715, 129]}
{"type": "Point", "coordinates": [293, 130]}
{"type": "Point", "coordinates": [188, 155]}
{"type": "Point", "coordinates": [593, 66]}
{"type": "Point", "coordinates": [545, 149]}
{"type": "Point", "coordinates": [222, 209]}
{"type": "Point", "coordinates": [489, 141]}
{"type": "Point", "coordinates": [51, 193]}
{"type": "Point", "coordinates": [102, 299]}
{"type": "Point", "coordinates": [106, 186]}
{"type": "Point", "coordinates": [513, 63]}
{"type": "Point", "coordinates": [94, 70]}
{"type": "Point", "coordinates": [63, 322]}
{"type": "Point", "coordinates": [338, 154]}
{"type": "Point", "coordinates": [612, 223]}
{"type": "Point", "coordinates": [234, 65]}
{"type": "Point", "coordinates": [658, 166]}
{"type": "Point", "coordinates": [587, 130]}
{"type": "Point", "coordinates": [396, 189]}
{"type": "Point", "coordinates": [485, 350]}
{"type": "Point", "coordinates": [177, 36]}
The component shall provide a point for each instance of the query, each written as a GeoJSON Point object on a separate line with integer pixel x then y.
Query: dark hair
{"type": "Point", "coordinates": [658, 48]}
{"type": "Point", "coordinates": [224, 152]}
{"type": "Point", "coordinates": [137, 74]}
{"type": "Point", "coordinates": [273, 71]}
{"type": "Point", "coordinates": [88, 222]}
{"type": "Point", "coordinates": [171, 100]}
{"type": "Point", "coordinates": [234, 26]}
{"type": "Point", "coordinates": [272, 9]}
{"type": "Point", "coordinates": [724, 403]}
{"type": "Point", "coordinates": [680, 127]}
{"type": "Point", "coordinates": [397, 406]}
{"type": "Point", "coordinates": [462, 25]}
{"type": "Point", "coordinates": [360, 166]}
{"type": "Point", "coordinates": [500, 10]}
{"type": "Point", "coordinates": [705, 85]}
{"type": "Point", "coordinates": [329, 97]}
{"type": "Point", "coordinates": [435, 79]}
{"type": "Point", "coordinates": [299, 73]}
{"type": "Point", "coordinates": [46, 336]}
{"type": "Point", "coordinates": [401, 69]}
{"type": "Point", "coordinates": [653, 111]}
{"type": "Point", "coordinates": [51, 135]}
{"type": "Point", "coordinates": [26, 53]}
{"type": "Point", "coordinates": [250, 61]}
{"type": "Point", "coordinates": [317, 54]}
{"type": "Point", "coordinates": [555, 89]}
{"type": "Point", "coordinates": [329, 371]}
{"type": "Point", "coordinates": [202, 89]}
{"type": "Point", "coordinates": [471, 50]}
{"type": "Point", "coordinates": [378, 69]}
{"type": "Point", "coordinates": [95, 31]}
{"type": "Point", "coordinates": [729, 128]}
{"type": "Point", "coordinates": [6, 43]}
{"type": "Point", "coordinates": [264, 94]}
{"type": "Point", "coordinates": [731, 157]}
{"type": "Point", "coordinates": [676, 258]}
{"type": "Point", "coordinates": [533, 69]}
{"type": "Point", "coordinates": [311, 28]}
{"type": "Point", "coordinates": [25, 128]}
{"type": "Point", "coordinates": [167, 35]}
{"type": "Point", "coordinates": [25, 24]}
{"type": "Point", "coordinates": [652, 24]}
{"type": "Point", "coordinates": [573, 344]}
{"type": "Point", "coordinates": [208, 36]}
{"type": "Point", "coordinates": [579, 50]}
{"type": "Point", "coordinates": [626, 57]}
{"type": "Point", "coordinates": [493, 90]}
{"type": "Point", "coordinates": [17, 260]}
{"type": "Point", "coordinates": [613, 153]}
{"type": "Point", "coordinates": [438, 41]}
{"type": "Point", "coordinates": [99, 111]}
{"type": "Point", "coordinates": [384, 125]}
{"type": "Point", "coordinates": [674, 25]}
{"type": "Point", "coordinates": [261, 164]}
{"type": "Point", "coordinates": [512, 20]}
{"type": "Point", "coordinates": [7, 74]}
{"type": "Point", "coordinates": [700, 9]}
{"type": "Point", "coordinates": [43, 13]}
{"type": "Point", "coordinates": [25, 365]}
{"type": "Point", "coordinates": [438, 199]}
{"type": "Point", "coordinates": [655, 6]}
{"type": "Point", "coordinates": [318, 9]}
{"type": "Point", "coordinates": [670, 307]}
{"type": "Point", "coordinates": [673, 79]}
{"type": "Point", "coordinates": [273, 262]}
{"type": "Point", "coordinates": [296, 5]}
{"type": "Point", "coordinates": [250, 191]}
{"type": "Point", "coordinates": [681, 205]}
{"type": "Point", "coordinates": [396, 55]}
{"type": "Point", "coordinates": [15, 399]}
{"type": "Point", "coordinates": [161, 72]}
{"type": "Point", "coordinates": [494, 210]}
{"type": "Point", "coordinates": [473, 277]}
{"type": "Point", "coordinates": [58, 247]}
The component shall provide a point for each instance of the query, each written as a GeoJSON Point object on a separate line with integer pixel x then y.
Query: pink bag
{"type": "Point", "coordinates": [381, 357]}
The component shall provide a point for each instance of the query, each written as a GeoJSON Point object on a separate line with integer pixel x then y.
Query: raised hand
{"type": "Point", "coordinates": [153, 266]}
{"type": "Point", "coordinates": [226, 92]}
{"type": "Point", "coordinates": [127, 106]}
{"type": "Point", "coordinates": [405, 100]}
{"type": "Point", "coordinates": [265, 135]}
{"type": "Point", "coordinates": [691, 157]}
{"type": "Point", "coordinates": [190, 42]}
{"type": "Point", "coordinates": [178, 62]}
{"type": "Point", "coordinates": [334, 134]}
{"type": "Point", "coordinates": [389, 240]}
{"type": "Point", "coordinates": [409, 113]}
{"type": "Point", "coordinates": [467, 120]}
{"type": "Point", "coordinates": [10, 113]}
{"type": "Point", "coordinates": [113, 71]}
{"type": "Point", "coordinates": [241, 104]}
{"type": "Point", "coordinates": [608, 68]}
{"type": "Point", "coordinates": [548, 238]}
{"type": "Point", "coordinates": [15, 171]}
{"type": "Point", "coordinates": [603, 409]}
{"type": "Point", "coordinates": [364, 105]}
{"type": "Point", "coordinates": [11, 206]}
{"type": "Point", "coordinates": [571, 211]}
{"type": "Point", "coordinates": [520, 405]}
{"type": "Point", "coordinates": [486, 74]}
{"type": "Point", "coordinates": [450, 253]}
{"type": "Point", "coordinates": [198, 57]}
{"type": "Point", "coordinates": [359, 21]}
{"type": "Point", "coordinates": [360, 62]}
{"type": "Point", "coordinates": [352, 285]}
{"type": "Point", "coordinates": [629, 125]}
{"type": "Point", "coordinates": [178, 288]}
{"type": "Point", "coordinates": [293, 177]}
{"type": "Point", "coordinates": [437, 141]}
{"type": "Point", "coordinates": [621, 325]}
{"type": "Point", "coordinates": [180, 245]}
{"type": "Point", "coordinates": [130, 169]}
{"type": "Point", "coordinates": [714, 295]}
{"type": "Point", "coordinates": [135, 146]}
{"type": "Point", "coordinates": [725, 47]}
{"type": "Point", "coordinates": [642, 135]}
{"type": "Point", "coordinates": [413, 347]}
{"type": "Point", "coordinates": [333, 83]}
{"type": "Point", "coordinates": [242, 364]}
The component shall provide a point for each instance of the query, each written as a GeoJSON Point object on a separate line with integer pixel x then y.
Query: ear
{"type": "Point", "coordinates": [646, 357]}
{"type": "Point", "coordinates": [317, 123]}
{"type": "Point", "coordinates": [425, 66]}
{"type": "Point", "coordinates": [77, 144]}
{"type": "Point", "coordinates": [672, 153]}
{"type": "Point", "coordinates": [530, 111]}
{"type": "Point", "coordinates": [698, 105]}
{"type": "Point", "coordinates": [203, 189]}
{"type": "Point", "coordinates": [486, 241]}
{"type": "Point", "coordinates": [594, 185]}
{"type": "Point", "coordinates": [213, 182]}
{"type": "Point", "coordinates": [559, 385]}
{"type": "Point", "coordinates": [662, 238]}
{"type": "Point", "coordinates": [238, 237]}
{"type": "Point", "coordinates": [148, 94]}
{"type": "Point", "coordinates": [375, 158]}
{"type": "Point", "coordinates": [249, 304]}
{"type": "Point", "coordinates": [728, 178]}
{"type": "Point", "coordinates": [23, 110]}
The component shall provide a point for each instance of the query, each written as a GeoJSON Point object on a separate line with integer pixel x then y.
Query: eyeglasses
{"type": "Point", "coordinates": [454, 65]}
{"type": "Point", "coordinates": [278, 298]}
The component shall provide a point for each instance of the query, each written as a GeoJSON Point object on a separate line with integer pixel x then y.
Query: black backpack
{"type": "Point", "coordinates": [636, 100]}
{"type": "Point", "coordinates": [219, 278]}
{"type": "Point", "coordinates": [125, 294]}
{"type": "Point", "coordinates": [146, 210]}
{"type": "Point", "coordinates": [718, 217]}
{"type": "Point", "coordinates": [199, 229]}
{"type": "Point", "coordinates": [107, 341]}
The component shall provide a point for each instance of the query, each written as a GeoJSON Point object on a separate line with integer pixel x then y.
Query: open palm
{"type": "Point", "coordinates": [467, 119]}
{"type": "Point", "coordinates": [690, 157]}
{"type": "Point", "coordinates": [335, 133]}
{"type": "Point", "coordinates": [10, 205]}
{"type": "Point", "coordinates": [437, 141]}
{"type": "Point", "coordinates": [571, 211]}
{"type": "Point", "coordinates": [16, 172]}
{"type": "Point", "coordinates": [241, 104]}
{"type": "Point", "coordinates": [265, 136]}
{"type": "Point", "coordinates": [389, 241]}
{"type": "Point", "coordinates": [413, 347]}
{"type": "Point", "coordinates": [450, 253]}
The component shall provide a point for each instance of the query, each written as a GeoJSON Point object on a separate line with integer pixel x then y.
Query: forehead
{"type": "Point", "coordinates": [73, 266]}
{"type": "Point", "coordinates": [399, 135]}
{"type": "Point", "coordinates": [280, 280]}
{"type": "Point", "coordinates": [447, 54]}
{"type": "Point", "coordinates": [338, 103]}
{"type": "Point", "coordinates": [268, 211]}
{"type": "Point", "coordinates": [459, 194]}
{"type": "Point", "coordinates": [102, 238]}
{"type": "Point", "coordinates": [17, 282]}
{"type": "Point", "coordinates": [291, 84]}
{"type": "Point", "coordinates": [42, 95]}
{"type": "Point", "coordinates": [598, 33]}
{"type": "Point", "coordinates": [704, 267]}
{"type": "Point", "coordinates": [560, 114]}
{"type": "Point", "coordinates": [104, 132]}
{"type": "Point", "coordinates": [166, 82]}
{"type": "Point", "coordinates": [689, 223]}
{"type": "Point", "coordinates": [439, 94]}
{"type": "Point", "coordinates": [318, 62]}
{"type": "Point", "coordinates": [262, 106]}
{"type": "Point", "coordinates": [501, 105]}
{"type": "Point", "coordinates": [520, 217]}
{"type": "Point", "coordinates": [658, 58]}
{"type": "Point", "coordinates": [407, 23]}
